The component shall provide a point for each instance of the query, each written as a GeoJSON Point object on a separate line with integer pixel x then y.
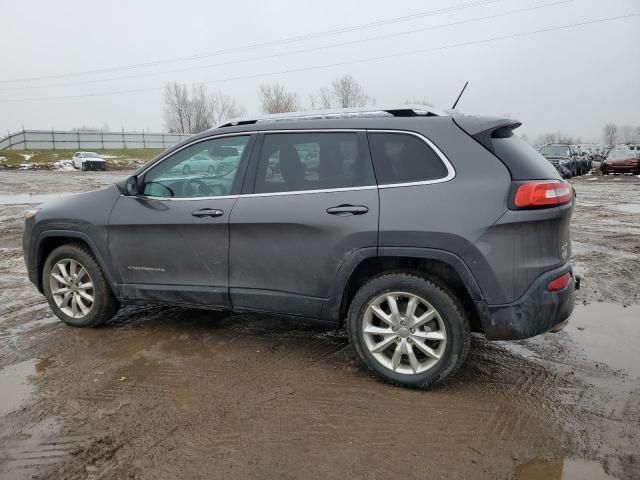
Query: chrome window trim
{"type": "Point", "coordinates": [451, 173]}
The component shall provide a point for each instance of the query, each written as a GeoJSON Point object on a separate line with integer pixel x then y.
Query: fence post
{"type": "Point", "coordinates": [24, 138]}
{"type": "Point", "coordinates": [102, 137]}
{"type": "Point", "coordinates": [53, 138]}
{"type": "Point", "coordinates": [78, 132]}
{"type": "Point", "coordinates": [144, 139]}
{"type": "Point", "coordinates": [124, 142]}
{"type": "Point", "coordinates": [163, 140]}
{"type": "Point", "coordinates": [10, 142]}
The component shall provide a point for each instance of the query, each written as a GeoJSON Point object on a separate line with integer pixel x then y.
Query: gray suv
{"type": "Point", "coordinates": [412, 227]}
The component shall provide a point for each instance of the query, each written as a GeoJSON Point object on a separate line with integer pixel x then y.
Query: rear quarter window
{"type": "Point", "coordinates": [522, 160]}
{"type": "Point", "coordinates": [404, 158]}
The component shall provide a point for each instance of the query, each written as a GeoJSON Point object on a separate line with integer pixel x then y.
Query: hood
{"type": "Point", "coordinates": [623, 161]}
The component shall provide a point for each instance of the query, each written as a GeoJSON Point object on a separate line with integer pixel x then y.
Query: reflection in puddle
{"type": "Point", "coordinates": [27, 198]}
{"type": "Point", "coordinates": [14, 383]}
{"type": "Point", "coordinates": [561, 469]}
{"type": "Point", "coordinates": [608, 334]}
{"type": "Point", "coordinates": [628, 207]}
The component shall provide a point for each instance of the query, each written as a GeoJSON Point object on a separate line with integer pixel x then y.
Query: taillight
{"type": "Point", "coordinates": [559, 283]}
{"type": "Point", "coordinates": [542, 194]}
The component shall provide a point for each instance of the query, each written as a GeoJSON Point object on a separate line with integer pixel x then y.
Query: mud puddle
{"type": "Point", "coordinates": [15, 385]}
{"type": "Point", "coordinates": [629, 207]}
{"type": "Point", "coordinates": [608, 334]}
{"type": "Point", "coordinates": [561, 469]}
{"type": "Point", "coordinates": [30, 198]}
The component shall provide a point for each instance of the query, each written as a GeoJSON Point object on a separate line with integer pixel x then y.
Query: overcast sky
{"type": "Point", "coordinates": [572, 80]}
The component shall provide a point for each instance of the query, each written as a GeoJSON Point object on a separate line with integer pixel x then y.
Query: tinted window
{"type": "Point", "coordinates": [522, 160]}
{"type": "Point", "coordinates": [400, 158]}
{"type": "Point", "coordinates": [204, 169]}
{"type": "Point", "coordinates": [312, 161]}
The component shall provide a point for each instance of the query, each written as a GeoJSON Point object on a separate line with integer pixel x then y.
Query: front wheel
{"type": "Point", "coordinates": [408, 330]}
{"type": "Point", "coordinates": [76, 288]}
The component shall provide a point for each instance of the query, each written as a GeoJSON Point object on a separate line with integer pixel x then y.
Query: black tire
{"type": "Point", "coordinates": [450, 310]}
{"type": "Point", "coordinates": [104, 305]}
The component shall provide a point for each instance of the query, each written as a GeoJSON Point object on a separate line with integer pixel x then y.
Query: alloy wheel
{"type": "Point", "coordinates": [72, 288]}
{"type": "Point", "coordinates": [404, 332]}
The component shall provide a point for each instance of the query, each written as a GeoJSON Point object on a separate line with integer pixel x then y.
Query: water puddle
{"type": "Point", "coordinates": [561, 469]}
{"type": "Point", "coordinates": [608, 333]}
{"type": "Point", "coordinates": [628, 207]}
{"type": "Point", "coordinates": [30, 198]}
{"type": "Point", "coordinates": [15, 385]}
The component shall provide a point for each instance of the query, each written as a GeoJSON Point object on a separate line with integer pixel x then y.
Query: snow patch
{"type": "Point", "coordinates": [26, 156]}
{"type": "Point", "coordinates": [64, 165]}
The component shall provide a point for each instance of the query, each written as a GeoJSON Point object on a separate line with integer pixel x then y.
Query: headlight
{"type": "Point", "coordinates": [30, 213]}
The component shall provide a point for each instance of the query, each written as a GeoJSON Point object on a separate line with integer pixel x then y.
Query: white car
{"type": "Point", "coordinates": [89, 161]}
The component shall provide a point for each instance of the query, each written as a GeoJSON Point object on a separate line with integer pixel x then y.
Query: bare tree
{"type": "Point", "coordinates": [223, 108]}
{"type": "Point", "coordinates": [419, 102]}
{"type": "Point", "coordinates": [322, 99]}
{"type": "Point", "coordinates": [197, 111]}
{"type": "Point", "coordinates": [275, 99]}
{"type": "Point", "coordinates": [199, 116]}
{"type": "Point", "coordinates": [610, 133]}
{"type": "Point", "coordinates": [345, 92]}
{"type": "Point", "coordinates": [176, 107]}
{"type": "Point", "coordinates": [545, 139]}
{"type": "Point", "coordinates": [627, 133]}
{"type": "Point", "coordinates": [349, 93]}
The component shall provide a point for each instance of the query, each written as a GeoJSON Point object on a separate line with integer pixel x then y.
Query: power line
{"type": "Point", "coordinates": [337, 64]}
{"type": "Point", "coordinates": [294, 52]}
{"type": "Point", "coordinates": [283, 41]}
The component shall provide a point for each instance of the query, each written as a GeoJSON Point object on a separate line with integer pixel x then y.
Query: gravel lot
{"type": "Point", "coordinates": [174, 393]}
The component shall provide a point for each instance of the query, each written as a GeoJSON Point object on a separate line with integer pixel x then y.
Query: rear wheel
{"type": "Point", "coordinates": [408, 330]}
{"type": "Point", "coordinates": [76, 288]}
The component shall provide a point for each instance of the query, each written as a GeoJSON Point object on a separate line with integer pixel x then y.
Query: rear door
{"type": "Point", "coordinates": [311, 203]}
{"type": "Point", "coordinates": [171, 243]}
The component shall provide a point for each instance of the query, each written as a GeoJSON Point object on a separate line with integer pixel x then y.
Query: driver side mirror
{"type": "Point", "coordinates": [129, 186]}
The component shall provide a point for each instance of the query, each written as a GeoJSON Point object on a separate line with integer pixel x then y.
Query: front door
{"type": "Point", "coordinates": [171, 242]}
{"type": "Point", "coordinates": [312, 203]}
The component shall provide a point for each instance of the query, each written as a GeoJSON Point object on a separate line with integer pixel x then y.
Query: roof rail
{"type": "Point", "coordinates": [396, 111]}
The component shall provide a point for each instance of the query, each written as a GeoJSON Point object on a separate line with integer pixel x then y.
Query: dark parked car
{"type": "Point", "coordinates": [563, 155]}
{"type": "Point", "coordinates": [415, 229]}
{"type": "Point", "coordinates": [621, 161]}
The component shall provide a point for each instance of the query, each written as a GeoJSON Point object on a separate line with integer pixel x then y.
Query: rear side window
{"type": "Point", "coordinates": [522, 160]}
{"type": "Point", "coordinates": [404, 158]}
{"type": "Point", "coordinates": [312, 161]}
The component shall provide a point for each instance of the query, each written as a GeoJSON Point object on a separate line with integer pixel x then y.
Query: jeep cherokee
{"type": "Point", "coordinates": [411, 226]}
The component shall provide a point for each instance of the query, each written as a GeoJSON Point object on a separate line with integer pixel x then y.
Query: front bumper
{"type": "Point", "coordinates": [91, 165]}
{"type": "Point", "coordinates": [536, 311]}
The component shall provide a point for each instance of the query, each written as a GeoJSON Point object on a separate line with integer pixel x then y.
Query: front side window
{"type": "Point", "coordinates": [204, 169]}
{"type": "Point", "coordinates": [312, 161]}
{"type": "Point", "coordinates": [404, 158]}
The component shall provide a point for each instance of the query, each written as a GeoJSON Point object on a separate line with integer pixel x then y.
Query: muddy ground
{"type": "Point", "coordinates": [175, 393]}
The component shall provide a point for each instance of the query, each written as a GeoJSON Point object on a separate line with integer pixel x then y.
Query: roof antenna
{"type": "Point", "coordinates": [458, 99]}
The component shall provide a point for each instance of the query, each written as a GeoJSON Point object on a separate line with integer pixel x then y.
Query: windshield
{"type": "Point", "coordinates": [618, 154]}
{"type": "Point", "coordinates": [555, 151]}
{"type": "Point", "coordinates": [90, 155]}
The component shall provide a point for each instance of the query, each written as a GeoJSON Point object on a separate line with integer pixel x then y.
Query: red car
{"type": "Point", "coordinates": [621, 161]}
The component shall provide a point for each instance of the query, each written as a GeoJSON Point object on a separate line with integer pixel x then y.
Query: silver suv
{"type": "Point", "coordinates": [412, 227]}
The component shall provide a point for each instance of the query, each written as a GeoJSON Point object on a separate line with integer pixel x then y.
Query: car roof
{"type": "Point", "coordinates": [409, 110]}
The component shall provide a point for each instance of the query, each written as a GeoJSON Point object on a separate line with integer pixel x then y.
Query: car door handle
{"type": "Point", "coordinates": [346, 210]}
{"type": "Point", "coordinates": [207, 212]}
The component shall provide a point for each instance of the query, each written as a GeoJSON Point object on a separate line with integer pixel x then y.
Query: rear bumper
{"type": "Point", "coordinates": [536, 311]}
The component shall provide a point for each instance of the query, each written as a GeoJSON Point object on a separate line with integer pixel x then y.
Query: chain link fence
{"type": "Point", "coordinates": [64, 140]}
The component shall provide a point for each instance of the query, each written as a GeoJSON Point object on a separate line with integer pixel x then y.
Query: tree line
{"type": "Point", "coordinates": [612, 134]}
{"type": "Point", "coordinates": [193, 110]}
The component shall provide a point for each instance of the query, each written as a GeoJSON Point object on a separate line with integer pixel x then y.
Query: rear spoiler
{"type": "Point", "coordinates": [483, 129]}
